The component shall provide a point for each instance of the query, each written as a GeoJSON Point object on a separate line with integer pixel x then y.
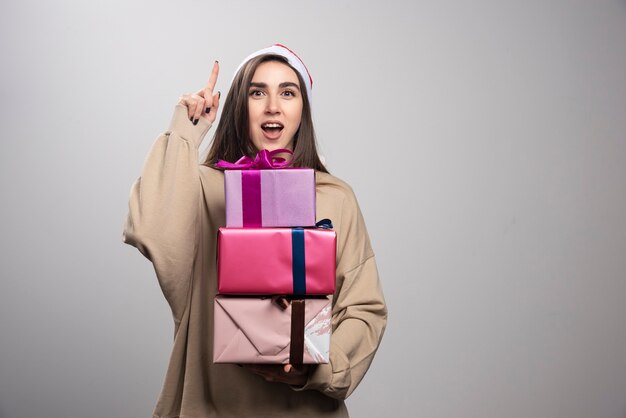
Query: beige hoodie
{"type": "Point", "coordinates": [176, 208]}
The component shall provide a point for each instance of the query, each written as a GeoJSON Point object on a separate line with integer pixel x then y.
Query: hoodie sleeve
{"type": "Point", "coordinates": [164, 206]}
{"type": "Point", "coordinates": [359, 311]}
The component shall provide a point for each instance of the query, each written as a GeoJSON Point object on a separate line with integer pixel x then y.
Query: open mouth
{"type": "Point", "coordinates": [272, 128]}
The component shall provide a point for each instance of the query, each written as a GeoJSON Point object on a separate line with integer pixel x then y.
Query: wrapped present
{"type": "Point", "coordinates": [260, 330]}
{"type": "Point", "coordinates": [270, 198]}
{"type": "Point", "coordinates": [261, 261]}
{"type": "Point", "coordinates": [264, 193]}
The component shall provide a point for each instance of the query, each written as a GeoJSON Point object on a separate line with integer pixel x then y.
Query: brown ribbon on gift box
{"type": "Point", "coordinates": [296, 346]}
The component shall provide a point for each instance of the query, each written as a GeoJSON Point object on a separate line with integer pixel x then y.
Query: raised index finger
{"type": "Point", "coordinates": [213, 77]}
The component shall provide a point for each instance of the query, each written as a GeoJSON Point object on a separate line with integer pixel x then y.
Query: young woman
{"type": "Point", "coordinates": [176, 208]}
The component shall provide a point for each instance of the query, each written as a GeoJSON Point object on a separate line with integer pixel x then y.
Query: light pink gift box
{"type": "Point", "coordinates": [270, 198]}
{"type": "Point", "coordinates": [257, 330]}
{"type": "Point", "coordinates": [275, 261]}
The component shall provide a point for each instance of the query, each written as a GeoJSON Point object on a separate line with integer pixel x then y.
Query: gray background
{"type": "Point", "coordinates": [485, 140]}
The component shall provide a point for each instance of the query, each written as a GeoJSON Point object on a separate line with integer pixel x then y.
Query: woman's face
{"type": "Point", "coordinates": [274, 106]}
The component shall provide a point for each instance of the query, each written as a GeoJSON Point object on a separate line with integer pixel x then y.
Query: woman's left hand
{"type": "Point", "coordinates": [281, 373]}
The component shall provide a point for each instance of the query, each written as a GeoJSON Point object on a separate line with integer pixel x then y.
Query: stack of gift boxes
{"type": "Point", "coordinates": [276, 270]}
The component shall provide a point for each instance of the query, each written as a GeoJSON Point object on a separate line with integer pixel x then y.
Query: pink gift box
{"type": "Point", "coordinates": [274, 261]}
{"type": "Point", "coordinates": [257, 330]}
{"type": "Point", "coordinates": [270, 198]}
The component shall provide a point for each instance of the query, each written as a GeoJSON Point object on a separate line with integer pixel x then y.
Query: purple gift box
{"type": "Point", "coordinates": [270, 198]}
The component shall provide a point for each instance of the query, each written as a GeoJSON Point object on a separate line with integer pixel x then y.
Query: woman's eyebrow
{"type": "Point", "coordinates": [288, 84]}
{"type": "Point", "coordinates": [281, 85]}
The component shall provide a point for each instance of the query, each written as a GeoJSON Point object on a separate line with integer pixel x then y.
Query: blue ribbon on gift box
{"type": "Point", "coordinates": [297, 254]}
{"type": "Point", "coordinates": [298, 265]}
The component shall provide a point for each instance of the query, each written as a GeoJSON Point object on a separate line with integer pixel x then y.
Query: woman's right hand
{"type": "Point", "coordinates": [203, 103]}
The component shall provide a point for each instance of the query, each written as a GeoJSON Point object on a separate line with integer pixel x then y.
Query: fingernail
{"type": "Point", "coordinates": [217, 62]}
{"type": "Point", "coordinates": [208, 109]}
{"type": "Point", "coordinates": [219, 94]}
{"type": "Point", "coordinates": [191, 118]}
{"type": "Point", "coordinates": [195, 122]}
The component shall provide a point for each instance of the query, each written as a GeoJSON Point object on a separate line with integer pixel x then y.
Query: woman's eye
{"type": "Point", "coordinates": [289, 93]}
{"type": "Point", "coordinates": [256, 93]}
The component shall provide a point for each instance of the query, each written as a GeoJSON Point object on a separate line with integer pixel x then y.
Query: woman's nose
{"type": "Point", "coordinates": [272, 104]}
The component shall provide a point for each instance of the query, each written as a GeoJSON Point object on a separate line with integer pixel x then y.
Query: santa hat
{"type": "Point", "coordinates": [292, 59]}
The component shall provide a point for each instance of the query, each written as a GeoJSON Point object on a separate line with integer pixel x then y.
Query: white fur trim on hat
{"type": "Point", "coordinates": [293, 60]}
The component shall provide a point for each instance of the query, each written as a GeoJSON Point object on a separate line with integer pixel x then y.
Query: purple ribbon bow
{"type": "Point", "coordinates": [264, 160]}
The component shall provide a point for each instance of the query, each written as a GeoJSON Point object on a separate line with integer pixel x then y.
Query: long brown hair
{"type": "Point", "coordinates": [232, 136]}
